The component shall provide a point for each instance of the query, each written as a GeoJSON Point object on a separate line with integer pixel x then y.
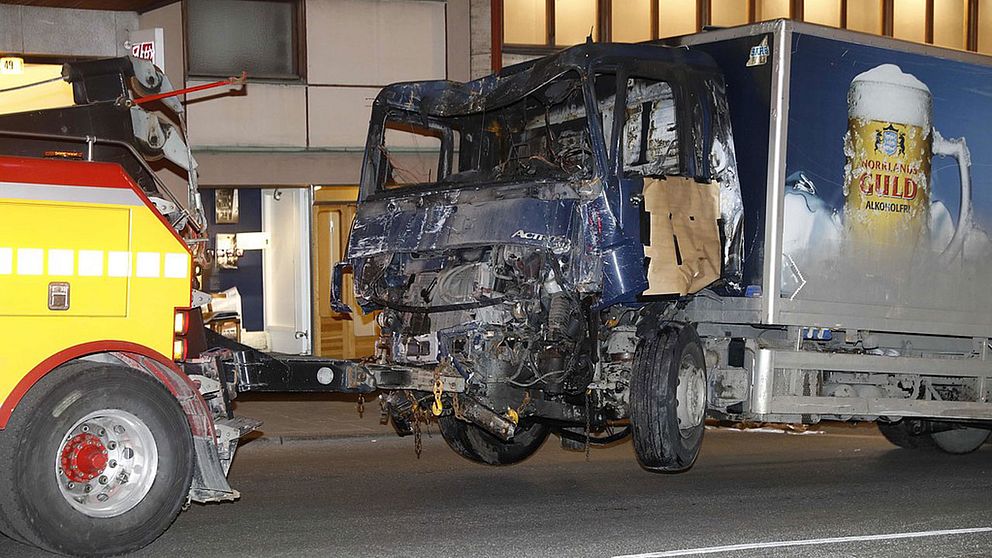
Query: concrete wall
{"type": "Point", "coordinates": [482, 37]}
{"type": "Point", "coordinates": [64, 32]}
{"type": "Point", "coordinates": [354, 47]}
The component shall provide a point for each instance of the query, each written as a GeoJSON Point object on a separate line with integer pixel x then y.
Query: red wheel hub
{"type": "Point", "coordinates": [83, 458]}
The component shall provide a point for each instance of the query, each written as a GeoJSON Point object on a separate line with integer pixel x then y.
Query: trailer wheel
{"type": "Point", "coordinates": [475, 444]}
{"type": "Point", "coordinates": [96, 460]}
{"type": "Point", "coordinates": [668, 399]}
{"type": "Point", "coordinates": [907, 433]}
{"type": "Point", "coordinates": [960, 440]}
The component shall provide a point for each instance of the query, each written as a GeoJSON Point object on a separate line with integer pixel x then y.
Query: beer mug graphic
{"type": "Point", "coordinates": [889, 145]}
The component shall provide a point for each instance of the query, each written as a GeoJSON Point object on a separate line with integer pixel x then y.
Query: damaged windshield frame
{"type": "Point", "coordinates": [377, 168]}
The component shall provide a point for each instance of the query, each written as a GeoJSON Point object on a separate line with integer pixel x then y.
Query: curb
{"type": "Point", "coordinates": [289, 439]}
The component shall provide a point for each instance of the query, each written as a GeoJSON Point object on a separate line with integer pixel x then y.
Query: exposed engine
{"type": "Point", "coordinates": [502, 319]}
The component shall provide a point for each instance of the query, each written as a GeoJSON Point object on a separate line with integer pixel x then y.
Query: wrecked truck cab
{"type": "Point", "coordinates": [511, 230]}
{"type": "Point", "coordinates": [437, 149]}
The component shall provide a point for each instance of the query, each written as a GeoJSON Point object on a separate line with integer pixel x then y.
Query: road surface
{"type": "Point", "coordinates": [373, 497]}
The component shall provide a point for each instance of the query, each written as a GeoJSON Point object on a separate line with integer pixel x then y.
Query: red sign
{"type": "Point", "coordinates": [143, 51]}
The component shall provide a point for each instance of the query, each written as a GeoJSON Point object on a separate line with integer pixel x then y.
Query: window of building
{"type": "Point", "coordinates": [632, 21]}
{"type": "Point", "coordinates": [525, 22]}
{"type": "Point", "coordinates": [261, 37]}
{"type": "Point", "coordinates": [985, 26]}
{"type": "Point", "coordinates": [727, 13]}
{"type": "Point", "coordinates": [574, 21]}
{"type": "Point", "coordinates": [677, 17]}
{"type": "Point", "coordinates": [772, 9]}
{"type": "Point", "coordinates": [950, 23]}
{"type": "Point", "coordinates": [533, 27]}
{"type": "Point", "coordinates": [823, 12]}
{"type": "Point", "coordinates": [910, 20]}
{"type": "Point", "coordinates": [865, 16]}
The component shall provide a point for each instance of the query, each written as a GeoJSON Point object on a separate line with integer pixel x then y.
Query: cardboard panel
{"type": "Point", "coordinates": [684, 250]}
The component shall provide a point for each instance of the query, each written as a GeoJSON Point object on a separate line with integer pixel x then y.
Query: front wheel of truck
{"type": "Point", "coordinates": [96, 460]}
{"type": "Point", "coordinates": [475, 444]}
{"type": "Point", "coordinates": [668, 399]}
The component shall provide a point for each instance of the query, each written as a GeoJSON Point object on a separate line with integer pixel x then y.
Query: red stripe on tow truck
{"type": "Point", "coordinates": [64, 356]}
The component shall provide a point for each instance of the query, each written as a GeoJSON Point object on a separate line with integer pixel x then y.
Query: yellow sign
{"type": "Point", "coordinates": [11, 65]}
{"type": "Point", "coordinates": [888, 198]}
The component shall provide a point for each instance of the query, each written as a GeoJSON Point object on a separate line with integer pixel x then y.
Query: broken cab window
{"type": "Point", "coordinates": [650, 136]}
{"type": "Point", "coordinates": [542, 135]}
{"type": "Point", "coordinates": [554, 138]}
{"type": "Point", "coordinates": [412, 154]}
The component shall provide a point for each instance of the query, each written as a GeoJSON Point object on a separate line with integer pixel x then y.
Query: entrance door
{"type": "Point", "coordinates": [286, 269]}
{"type": "Point", "coordinates": [337, 335]}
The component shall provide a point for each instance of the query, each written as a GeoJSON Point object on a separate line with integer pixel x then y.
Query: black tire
{"type": "Point", "coordinates": [659, 442]}
{"type": "Point", "coordinates": [907, 434]}
{"type": "Point", "coordinates": [33, 508]}
{"type": "Point", "coordinates": [475, 444]}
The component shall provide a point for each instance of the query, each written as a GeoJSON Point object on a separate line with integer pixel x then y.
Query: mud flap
{"type": "Point", "coordinates": [209, 482]}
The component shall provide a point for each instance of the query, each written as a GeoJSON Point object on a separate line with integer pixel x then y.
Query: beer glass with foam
{"type": "Point", "coordinates": [889, 145]}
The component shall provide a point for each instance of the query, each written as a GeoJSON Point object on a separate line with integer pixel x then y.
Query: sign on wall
{"type": "Point", "coordinates": [11, 65]}
{"type": "Point", "coordinates": [147, 44]}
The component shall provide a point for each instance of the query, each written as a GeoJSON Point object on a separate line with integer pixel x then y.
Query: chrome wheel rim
{"type": "Point", "coordinates": [106, 463]}
{"type": "Point", "coordinates": [690, 395]}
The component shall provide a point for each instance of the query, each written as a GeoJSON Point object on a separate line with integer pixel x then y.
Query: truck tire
{"type": "Point", "coordinates": [907, 433]}
{"type": "Point", "coordinates": [475, 444]}
{"type": "Point", "coordinates": [961, 440]}
{"type": "Point", "coordinates": [96, 460]}
{"type": "Point", "coordinates": [668, 399]}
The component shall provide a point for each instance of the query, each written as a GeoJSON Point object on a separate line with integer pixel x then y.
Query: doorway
{"type": "Point", "coordinates": [337, 335]}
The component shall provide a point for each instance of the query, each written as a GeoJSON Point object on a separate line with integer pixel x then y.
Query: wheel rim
{"type": "Point", "coordinates": [106, 463]}
{"type": "Point", "coordinates": [690, 395]}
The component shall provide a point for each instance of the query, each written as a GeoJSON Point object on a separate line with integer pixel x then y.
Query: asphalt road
{"type": "Point", "coordinates": [373, 497]}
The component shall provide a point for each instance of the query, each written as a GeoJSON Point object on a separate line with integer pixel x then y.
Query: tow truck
{"type": "Point", "coordinates": [115, 401]}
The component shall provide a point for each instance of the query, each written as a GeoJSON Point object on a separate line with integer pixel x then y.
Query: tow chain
{"type": "Point", "coordinates": [438, 406]}
{"type": "Point", "coordinates": [456, 407]}
{"type": "Point", "coordinates": [361, 405]}
{"type": "Point", "coordinates": [514, 414]}
{"type": "Point", "coordinates": [418, 445]}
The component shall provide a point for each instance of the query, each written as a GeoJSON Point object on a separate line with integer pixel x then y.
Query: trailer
{"type": "Point", "coordinates": [775, 222]}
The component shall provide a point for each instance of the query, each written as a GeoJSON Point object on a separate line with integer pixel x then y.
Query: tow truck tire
{"type": "Point", "coordinates": [961, 440]}
{"type": "Point", "coordinates": [475, 444]}
{"type": "Point", "coordinates": [668, 399]}
{"type": "Point", "coordinates": [103, 424]}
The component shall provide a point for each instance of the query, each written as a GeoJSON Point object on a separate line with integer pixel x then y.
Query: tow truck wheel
{"type": "Point", "coordinates": [960, 440]}
{"type": "Point", "coordinates": [96, 460]}
{"type": "Point", "coordinates": [668, 399]}
{"type": "Point", "coordinates": [475, 444]}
